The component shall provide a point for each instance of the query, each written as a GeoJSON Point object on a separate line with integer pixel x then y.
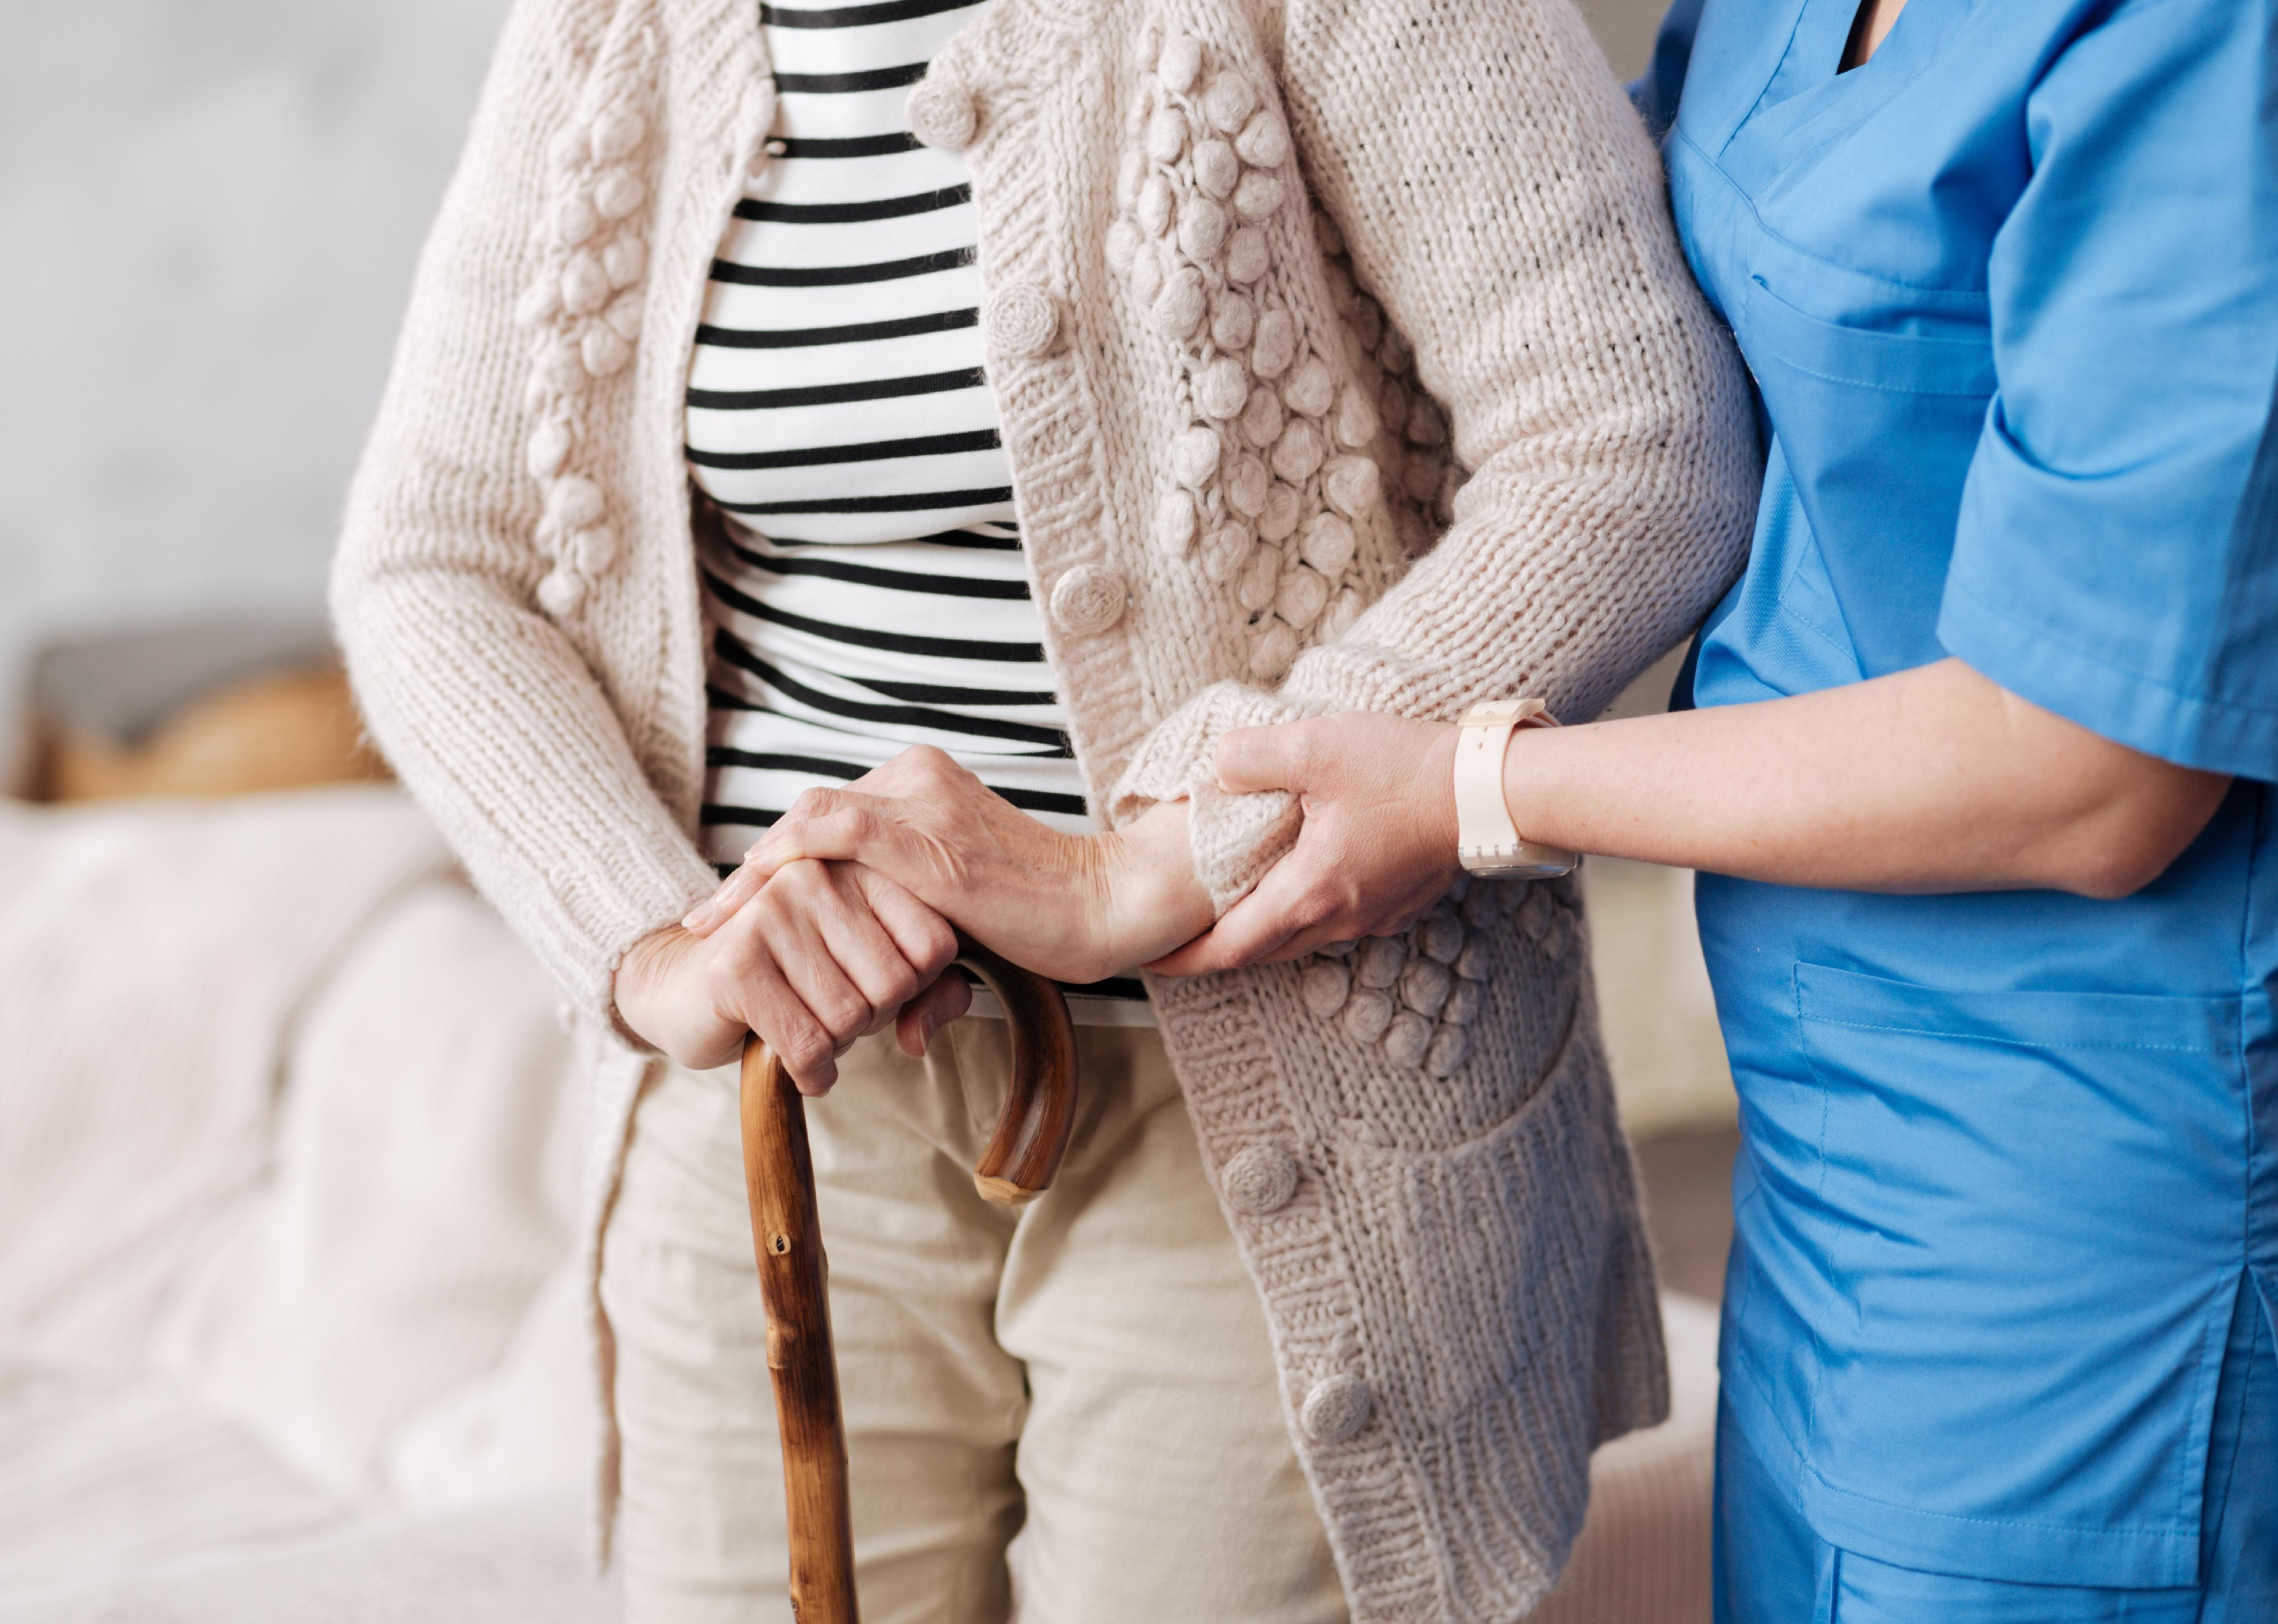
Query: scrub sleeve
{"type": "Point", "coordinates": [2116, 559]}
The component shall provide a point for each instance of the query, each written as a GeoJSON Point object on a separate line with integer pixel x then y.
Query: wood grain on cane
{"type": "Point", "coordinates": [1031, 1137]}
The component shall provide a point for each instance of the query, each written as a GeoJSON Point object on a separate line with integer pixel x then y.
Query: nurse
{"type": "Point", "coordinates": [1979, 781]}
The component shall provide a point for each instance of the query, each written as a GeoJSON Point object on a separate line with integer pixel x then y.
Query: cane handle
{"type": "Point", "coordinates": [1032, 1131]}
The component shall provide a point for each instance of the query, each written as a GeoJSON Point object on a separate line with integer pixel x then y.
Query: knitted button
{"type": "Point", "coordinates": [1277, 343]}
{"type": "Point", "coordinates": [1175, 523]}
{"type": "Point", "coordinates": [561, 594]}
{"type": "Point", "coordinates": [1265, 141]}
{"type": "Point", "coordinates": [1246, 256]}
{"type": "Point", "coordinates": [1327, 544]}
{"type": "Point", "coordinates": [1166, 136]}
{"type": "Point", "coordinates": [1202, 230]}
{"type": "Point", "coordinates": [1351, 483]}
{"type": "Point", "coordinates": [574, 502]}
{"type": "Point", "coordinates": [1022, 320]}
{"type": "Point", "coordinates": [1367, 1015]}
{"type": "Point", "coordinates": [617, 194]}
{"type": "Point", "coordinates": [624, 259]}
{"type": "Point", "coordinates": [1326, 985]}
{"type": "Point", "coordinates": [1303, 596]}
{"type": "Point", "coordinates": [1441, 935]}
{"type": "Point", "coordinates": [1261, 1179]}
{"type": "Point", "coordinates": [1181, 63]}
{"type": "Point", "coordinates": [1217, 168]}
{"type": "Point", "coordinates": [942, 114]}
{"type": "Point", "coordinates": [585, 284]}
{"type": "Point", "coordinates": [602, 351]}
{"type": "Point", "coordinates": [1283, 504]}
{"type": "Point", "coordinates": [593, 551]}
{"type": "Point", "coordinates": [1226, 550]}
{"type": "Point", "coordinates": [1448, 1051]}
{"type": "Point", "coordinates": [1337, 1408]}
{"type": "Point", "coordinates": [616, 134]}
{"type": "Point", "coordinates": [1088, 599]}
{"type": "Point", "coordinates": [1229, 101]}
{"type": "Point", "coordinates": [574, 220]}
{"type": "Point", "coordinates": [1233, 319]}
{"type": "Point", "coordinates": [1179, 308]}
{"type": "Point", "coordinates": [549, 445]}
{"type": "Point", "coordinates": [1222, 389]}
{"type": "Point", "coordinates": [1381, 960]}
{"type": "Point", "coordinates": [1194, 457]}
{"type": "Point", "coordinates": [1406, 1038]}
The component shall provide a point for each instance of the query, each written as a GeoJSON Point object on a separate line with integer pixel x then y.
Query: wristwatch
{"type": "Point", "coordinates": [1486, 840]}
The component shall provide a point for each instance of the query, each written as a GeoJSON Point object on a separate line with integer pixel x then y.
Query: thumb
{"type": "Point", "coordinates": [1252, 759]}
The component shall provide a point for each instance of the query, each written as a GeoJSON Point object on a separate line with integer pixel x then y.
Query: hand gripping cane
{"type": "Point", "coordinates": [1032, 1135]}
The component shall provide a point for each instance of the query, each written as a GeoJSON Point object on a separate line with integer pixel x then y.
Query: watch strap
{"type": "Point", "coordinates": [1487, 841]}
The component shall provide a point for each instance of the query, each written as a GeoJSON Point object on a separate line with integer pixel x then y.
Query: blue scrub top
{"type": "Point", "coordinates": [2009, 293]}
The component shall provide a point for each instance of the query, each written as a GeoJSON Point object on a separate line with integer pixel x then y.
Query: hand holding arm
{"type": "Point", "coordinates": [1075, 907]}
{"type": "Point", "coordinates": [1930, 780]}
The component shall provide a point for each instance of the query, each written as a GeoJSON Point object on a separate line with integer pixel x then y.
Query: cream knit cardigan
{"type": "Point", "coordinates": [1346, 361]}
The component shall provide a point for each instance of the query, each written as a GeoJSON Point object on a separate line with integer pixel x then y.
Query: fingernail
{"type": "Point", "coordinates": [700, 915]}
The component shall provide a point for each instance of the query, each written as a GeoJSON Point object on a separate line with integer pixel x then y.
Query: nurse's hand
{"type": "Point", "coordinates": [1377, 848]}
{"type": "Point", "coordinates": [1078, 908]}
{"type": "Point", "coordinates": [826, 954]}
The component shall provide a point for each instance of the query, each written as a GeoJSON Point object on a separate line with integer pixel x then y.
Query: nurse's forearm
{"type": "Point", "coordinates": [1930, 780]}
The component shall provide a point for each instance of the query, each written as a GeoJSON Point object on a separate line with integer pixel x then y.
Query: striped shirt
{"type": "Point", "coordinates": [870, 594]}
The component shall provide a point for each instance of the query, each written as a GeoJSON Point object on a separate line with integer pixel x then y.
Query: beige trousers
{"type": "Point", "coordinates": [1065, 1413]}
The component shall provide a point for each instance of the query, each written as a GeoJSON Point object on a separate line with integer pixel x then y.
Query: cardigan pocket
{"type": "Point", "coordinates": [1512, 1251]}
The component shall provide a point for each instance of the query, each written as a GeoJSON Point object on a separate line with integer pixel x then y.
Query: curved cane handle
{"type": "Point", "coordinates": [1032, 1132]}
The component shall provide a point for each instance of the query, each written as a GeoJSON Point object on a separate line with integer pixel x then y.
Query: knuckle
{"type": "Point", "coordinates": [848, 1017]}
{"type": "Point", "coordinates": [902, 984]}
{"type": "Point", "coordinates": [806, 1047]}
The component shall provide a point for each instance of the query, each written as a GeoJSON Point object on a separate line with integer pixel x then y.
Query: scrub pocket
{"type": "Point", "coordinates": [2027, 1212]}
{"type": "Point", "coordinates": [1843, 395]}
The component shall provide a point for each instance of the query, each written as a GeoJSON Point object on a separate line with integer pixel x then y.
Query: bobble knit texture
{"type": "Point", "coordinates": [1327, 382]}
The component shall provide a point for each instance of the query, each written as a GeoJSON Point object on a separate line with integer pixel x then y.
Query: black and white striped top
{"type": "Point", "coordinates": [871, 594]}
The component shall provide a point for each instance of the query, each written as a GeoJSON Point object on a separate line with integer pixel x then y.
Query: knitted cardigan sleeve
{"type": "Point", "coordinates": [483, 705]}
{"type": "Point", "coordinates": [1505, 207]}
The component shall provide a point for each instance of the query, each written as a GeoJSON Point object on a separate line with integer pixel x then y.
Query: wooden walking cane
{"type": "Point", "coordinates": [1031, 1136]}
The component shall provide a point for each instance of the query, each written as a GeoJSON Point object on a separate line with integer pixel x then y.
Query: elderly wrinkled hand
{"type": "Point", "coordinates": [829, 953]}
{"type": "Point", "coordinates": [1377, 847]}
{"type": "Point", "coordinates": [1075, 907]}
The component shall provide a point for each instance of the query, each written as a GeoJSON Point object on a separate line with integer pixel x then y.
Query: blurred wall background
{"type": "Point", "coordinates": [213, 208]}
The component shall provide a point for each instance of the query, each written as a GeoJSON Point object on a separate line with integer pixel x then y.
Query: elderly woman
{"type": "Point", "coordinates": [1058, 386]}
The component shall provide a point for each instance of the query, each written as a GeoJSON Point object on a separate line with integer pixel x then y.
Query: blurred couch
{"type": "Point", "coordinates": [223, 707]}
